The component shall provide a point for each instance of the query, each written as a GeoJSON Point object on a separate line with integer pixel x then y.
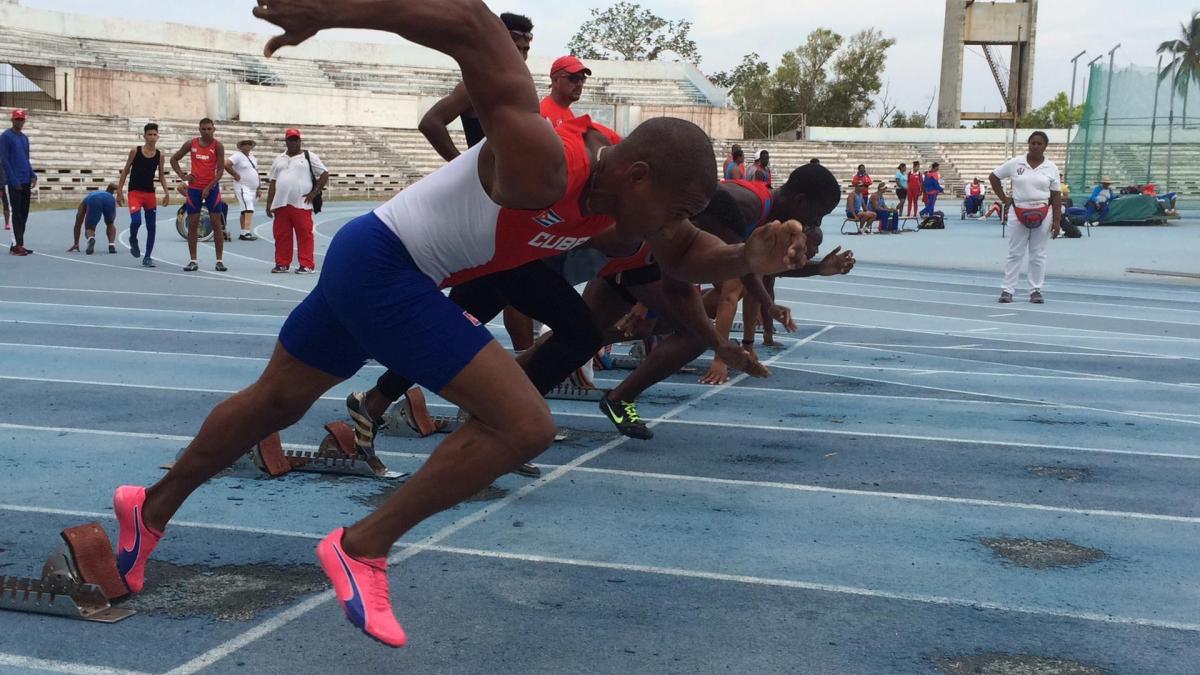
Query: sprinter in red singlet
{"type": "Point", "coordinates": [527, 192]}
{"type": "Point", "coordinates": [203, 189]}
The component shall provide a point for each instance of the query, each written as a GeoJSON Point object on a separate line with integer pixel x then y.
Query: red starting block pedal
{"type": "Point", "coordinates": [269, 457]}
{"type": "Point", "coordinates": [78, 580]}
{"type": "Point", "coordinates": [339, 440]}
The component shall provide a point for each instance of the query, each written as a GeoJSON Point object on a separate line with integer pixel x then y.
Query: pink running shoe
{"type": "Point", "coordinates": [362, 588]}
{"type": "Point", "coordinates": [136, 540]}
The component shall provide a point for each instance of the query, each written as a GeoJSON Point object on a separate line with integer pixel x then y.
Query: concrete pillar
{"type": "Point", "coordinates": [949, 114]}
{"type": "Point", "coordinates": [1020, 82]}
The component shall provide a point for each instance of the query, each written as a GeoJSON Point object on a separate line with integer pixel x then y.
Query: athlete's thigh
{"type": "Point", "coordinates": [606, 303]}
{"type": "Point", "coordinates": [493, 389]}
{"type": "Point", "coordinates": [540, 293]}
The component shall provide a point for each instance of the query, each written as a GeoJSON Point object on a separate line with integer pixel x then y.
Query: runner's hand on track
{"type": "Point", "coordinates": [740, 359]}
{"type": "Point", "coordinates": [784, 316]}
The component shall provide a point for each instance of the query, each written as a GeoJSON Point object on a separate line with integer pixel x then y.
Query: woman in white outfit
{"type": "Point", "coordinates": [1035, 198]}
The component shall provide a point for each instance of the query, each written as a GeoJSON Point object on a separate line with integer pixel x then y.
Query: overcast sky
{"type": "Point", "coordinates": [725, 30]}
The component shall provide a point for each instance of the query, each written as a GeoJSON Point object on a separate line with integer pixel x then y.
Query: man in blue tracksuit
{"type": "Point", "coordinates": [19, 178]}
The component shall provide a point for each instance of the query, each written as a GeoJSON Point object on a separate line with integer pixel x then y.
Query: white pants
{"type": "Point", "coordinates": [1022, 241]}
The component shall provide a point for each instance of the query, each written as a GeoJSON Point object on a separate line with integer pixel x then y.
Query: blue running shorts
{"type": "Point", "coordinates": [372, 301]}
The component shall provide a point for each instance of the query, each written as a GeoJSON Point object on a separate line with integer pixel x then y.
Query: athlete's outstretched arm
{"type": "Point", "coordinates": [433, 124]}
{"type": "Point", "coordinates": [522, 165]}
{"type": "Point", "coordinates": [690, 254]}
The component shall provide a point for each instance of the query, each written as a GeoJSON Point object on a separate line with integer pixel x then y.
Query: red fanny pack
{"type": "Point", "coordinates": [1032, 218]}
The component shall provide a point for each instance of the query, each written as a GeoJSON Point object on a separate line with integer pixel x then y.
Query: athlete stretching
{"type": "Point", "coordinates": [204, 189]}
{"type": "Point", "coordinates": [378, 296]}
{"type": "Point", "coordinates": [145, 162]}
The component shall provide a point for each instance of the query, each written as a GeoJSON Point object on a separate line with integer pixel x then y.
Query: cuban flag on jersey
{"type": "Point", "coordinates": [548, 218]}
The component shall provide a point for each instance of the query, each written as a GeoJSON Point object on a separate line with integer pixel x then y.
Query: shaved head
{"type": "Point", "coordinates": [679, 153]}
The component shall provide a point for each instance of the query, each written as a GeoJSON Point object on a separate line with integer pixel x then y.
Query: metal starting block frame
{"type": "Point", "coordinates": [63, 590]}
{"type": "Point", "coordinates": [337, 455]}
{"type": "Point", "coordinates": [570, 392]}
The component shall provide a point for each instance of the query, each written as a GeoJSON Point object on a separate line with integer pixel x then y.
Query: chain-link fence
{"type": "Point", "coordinates": [1137, 129]}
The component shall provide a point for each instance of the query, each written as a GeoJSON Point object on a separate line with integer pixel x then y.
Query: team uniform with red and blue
{"type": "Point", "coordinates": [379, 294]}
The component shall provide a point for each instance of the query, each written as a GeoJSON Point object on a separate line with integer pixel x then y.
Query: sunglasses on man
{"type": "Point", "coordinates": [521, 35]}
{"type": "Point", "coordinates": [577, 78]}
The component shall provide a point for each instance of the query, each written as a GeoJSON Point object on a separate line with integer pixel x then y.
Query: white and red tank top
{"type": "Point", "coordinates": [204, 164]}
{"type": "Point", "coordinates": [455, 232]}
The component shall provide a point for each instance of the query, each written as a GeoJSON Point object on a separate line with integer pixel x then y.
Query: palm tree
{"type": "Point", "coordinates": [1185, 59]}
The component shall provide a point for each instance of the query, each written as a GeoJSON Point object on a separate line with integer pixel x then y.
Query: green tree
{"type": "Point", "coordinates": [629, 32]}
{"type": "Point", "coordinates": [856, 81]}
{"type": "Point", "coordinates": [1055, 114]}
{"type": "Point", "coordinates": [912, 120]}
{"type": "Point", "coordinates": [1185, 59]}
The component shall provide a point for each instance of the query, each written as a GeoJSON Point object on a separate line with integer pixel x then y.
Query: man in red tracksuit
{"type": "Point", "coordinates": [297, 177]}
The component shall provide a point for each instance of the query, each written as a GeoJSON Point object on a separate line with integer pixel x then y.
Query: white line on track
{"type": "Point", "coordinates": [1031, 311]}
{"type": "Point", "coordinates": [1068, 406]}
{"type": "Point", "coordinates": [53, 666]}
{"type": "Point", "coordinates": [1086, 377]}
{"type": "Point", "coordinates": [644, 475]}
{"type": "Point", "coordinates": [409, 550]}
{"type": "Point", "coordinates": [116, 327]}
{"type": "Point", "coordinates": [206, 274]}
{"type": "Point", "coordinates": [146, 293]}
{"type": "Point", "coordinates": [980, 330]}
{"type": "Point", "coordinates": [892, 346]}
{"type": "Point", "coordinates": [997, 316]}
{"type": "Point", "coordinates": [271, 625]}
{"type": "Point", "coordinates": [891, 349]}
{"type": "Point", "coordinates": [150, 310]}
{"type": "Point", "coordinates": [700, 423]}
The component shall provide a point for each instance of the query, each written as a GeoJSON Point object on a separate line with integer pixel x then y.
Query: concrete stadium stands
{"type": "Point", "coordinates": [47, 49]}
{"type": "Point", "coordinates": [76, 153]}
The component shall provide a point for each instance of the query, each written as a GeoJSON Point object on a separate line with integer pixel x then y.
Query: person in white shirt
{"type": "Point", "coordinates": [297, 178]}
{"type": "Point", "coordinates": [1035, 195]}
{"type": "Point", "coordinates": [243, 166]}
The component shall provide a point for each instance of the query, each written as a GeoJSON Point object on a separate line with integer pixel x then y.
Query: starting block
{"type": "Point", "coordinates": [78, 581]}
{"type": "Point", "coordinates": [410, 417]}
{"type": "Point", "coordinates": [337, 454]}
{"type": "Point", "coordinates": [570, 392]}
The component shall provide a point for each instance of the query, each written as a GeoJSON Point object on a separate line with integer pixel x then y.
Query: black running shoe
{"type": "Point", "coordinates": [147, 262]}
{"type": "Point", "coordinates": [1005, 297]}
{"type": "Point", "coordinates": [247, 236]}
{"type": "Point", "coordinates": [221, 267]}
{"type": "Point", "coordinates": [134, 250]}
{"type": "Point", "coordinates": [91, 245]}
{"type": "Point", "coordinates": [365, 426]}
{"type": "Point", "coordinates": [624, 416]}
{"type": "Point", "coordinates": [112, 248]}
{"type": "Point", "coordinates": [279, 269]}
{"type": "Point", "coordinates": [1036, 297]}
{"type": "Point", "coordinates": [191, 267]}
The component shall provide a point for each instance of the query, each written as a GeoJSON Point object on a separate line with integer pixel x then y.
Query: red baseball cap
{"type": "Point", "coordinates": [19, 114]}
{"type": "Point", "coordinates": [291, 132]}
{"type": "Point", "coordinates": [570, 64]}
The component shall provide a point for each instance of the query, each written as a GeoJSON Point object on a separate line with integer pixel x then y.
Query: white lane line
{"type": "Point", "coordinates": [271, 625]}
{"type": "Point", "coordinates": [997, 316]}
{"type": "Point", "coordinates": [1091, 354]}
{"type": "Point", "coordinates": [979, 362]}
{"type": "Point", "coordinates": [1058, 404]}
{"type": "Point", "coordinates": [1056, 311]}
{"type": "Point", "coordinates": [1084, 377]}
{"type": "Point", "coordinates": [142, 270]}
{"type": "Point", "coordinates": [151, 310]}
{"type": "Point", "coordinates": [700, 423]}
{"type": "Point", "coordinates": [123, 237]}
{"type": "Point", "coordinates": [982, 330]}
{"type": "Point", "coordinates": [145, 293]}
{"type": "Point", "coordinates": [117, 327]}
{"type": "Point", "coordinates": [798, 487]}
{"type": "Point", "coordinates": [902, 496]}
{"type": "Point", "coordinates": [299, 610]}
{"type": "Point", "coordinates": [53, 666]}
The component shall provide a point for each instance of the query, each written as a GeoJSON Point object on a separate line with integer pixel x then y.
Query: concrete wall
{"type": "Point", "coordinates": [877, 135]}
{"type": "Point", "coordinates": [106, 92]}
{"type": "Point", "coordinates": [396, 52]}
{"type": "Point", "coordinates": [717, 122]}
{"type": "Point", "coordinates": [293, 105]}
